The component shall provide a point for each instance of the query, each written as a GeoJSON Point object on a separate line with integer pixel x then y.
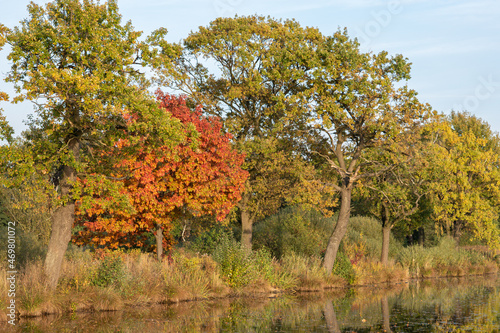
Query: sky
{"type": "Point", "coordinates": [453, 45]}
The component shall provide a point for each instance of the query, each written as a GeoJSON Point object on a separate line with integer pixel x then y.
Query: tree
{"type": "Point", "coordinates": [78, 64]}
{"type": "Point", "coordinates": [5, 130]}
{"type": "Point", "coordinates": [261, 78]}
{"type": "Point", "coordinates": [358, 106]}
{"type": "Point", "coordinates": [394, 195]}
{"type": "Point", "coordinates": [28, 198]}
{"type": "Point", "coordinates": [203, 177]}
{"type": "Point", "coordinates": [466, 188]}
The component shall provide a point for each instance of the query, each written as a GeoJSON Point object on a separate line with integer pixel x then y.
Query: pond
{"type": "Point", "coordinates": [438, 305]}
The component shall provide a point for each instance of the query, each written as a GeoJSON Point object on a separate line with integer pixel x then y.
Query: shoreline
{"type": "Point", "coordinates": [125, 305]}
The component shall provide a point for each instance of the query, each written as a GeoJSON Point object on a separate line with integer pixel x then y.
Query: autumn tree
{"type": "Point", "coordinates": [81, 67]}
{"type": "Point", "coordinates": [359, 105]}
{"type": "Point", "coordinates": [466, 188]}
{"type": "Point", "coordinates": [5, 130]}
{"type": "Point", "coordinates": [258, 78]}
{"type": "Point", "coordinates": [203, 177]}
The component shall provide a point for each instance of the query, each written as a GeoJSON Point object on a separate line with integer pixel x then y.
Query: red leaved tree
{"type": "Point", "coordinates": [201, 176]}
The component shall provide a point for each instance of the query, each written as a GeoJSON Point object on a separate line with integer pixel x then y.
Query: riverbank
{"type": "Point", "coordinates": [109, 281]}
{"type": "Point", "coordinates": [422, 305]}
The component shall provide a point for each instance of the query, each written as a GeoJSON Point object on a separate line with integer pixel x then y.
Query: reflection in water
{"type": "Point", "coordinates": [386, 321]}
{"type": "Point", "coordinates": [440, 305]}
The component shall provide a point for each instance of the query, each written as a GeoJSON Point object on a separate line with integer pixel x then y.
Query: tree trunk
{"type": "Point", "coordinates": [246, 229]}
{"type": "Point", "coordinates": [159, 242]}
{"type": "Point", "coordinates": [62, 222]}
{"type": "Point", "coordinates": [339, 230]}
{"type": "Point", "coordinates": [386, 235]}
{"type": "Point", "coordinates": [421, 236]}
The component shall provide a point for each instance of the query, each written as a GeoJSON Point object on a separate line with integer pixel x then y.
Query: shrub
{"type": "Point", "coordinates": [110, 271]}
{"type": "Point", "coordinates": [267, 267]}
{"type": "Point", "coordinates": [364, 237]}
{"type": "Point", "coordinates": [28, 247]}
{"type": "Point", "coordinates": [415, 258]}
{"type": "Point", "coordinates": [293, 229]}
{"type": "Point", "coordinates": [207, 241]}
{"type": "Point", "coordinates": [235, 263]}
{"type": "Point", "coordinates": [343, 268]}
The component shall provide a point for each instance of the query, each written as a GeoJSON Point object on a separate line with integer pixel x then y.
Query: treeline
{"type": "Point", "coordinates": [268, 114]}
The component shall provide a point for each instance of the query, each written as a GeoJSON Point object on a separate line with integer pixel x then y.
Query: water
{"type": "Point", "coordinates": [439, 305]}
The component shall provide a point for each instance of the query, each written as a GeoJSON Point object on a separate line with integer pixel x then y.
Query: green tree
{"type": "Point", "coordinates": [359, 105]}
{"type": "Point", "coordinates": [80, 66]}
{"type": "Point", "coordinates": [260, 79]}
{"type": "Point", "coordinates": [395, 195]}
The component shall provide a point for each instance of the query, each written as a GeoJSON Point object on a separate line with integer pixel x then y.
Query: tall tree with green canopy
{"type": "Point", "coordinates": [259, 80]}
{"type": "Point", "coordinates": [81, 67]}
{"type": "Point", "coordinates": [359, 104]}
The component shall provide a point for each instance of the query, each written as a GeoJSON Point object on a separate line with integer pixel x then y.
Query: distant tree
{"type": "Point", "coordinates": [466, 187]}
{"type": "Point", "coordinates": [80, 66]}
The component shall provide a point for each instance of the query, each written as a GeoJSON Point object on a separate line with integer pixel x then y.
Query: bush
{"type": "Point", "coordinates": [235, 263]}
{"type": "Point", "coordinates": [207, 241]}
{"type": "Point", "coordinates": [415, 258]}
{"type": "Point", "coordinates": [343, 268]}
{"type": "Point", "coordinates": [28, 247]}
{"type": "Point", "coordinates": [267, 267]}
{"type": "Point", "coordinates": [364, 237]}
{"type": "Point", "coordinates": [110, 271]}
{"type": "Point", "coordinates": [293, 230]}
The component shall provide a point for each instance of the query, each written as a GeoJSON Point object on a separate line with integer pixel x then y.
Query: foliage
{"type": "Point", "coordinates": [201, 177]}
{"type": "Point", "coordinates": [358, 105]}
{"type": "Point", "coordinates": [235, 263]}
{"type": "Point", "coordinates": [394, 195]}
{"type": "Point", "coordinates": [207, 241]}
{"type": "Point", "coordinates": [293, 229]}
{"type": "Point", "coordinates": [6, 131]}
{"type": "Point", "coordinates": [109, 271]}
{"type": "Point", "coordinates": [466, 187]}
{"type": "Point", "coordinates": [29, 248]}
{"type": "Point", "coordinates": [258, 85]}
{"type": "Point", "coordinates": [29, 203]}
{"type": "Point", "coordinates": [78, 63]}
{"type": "Point", "coordinates": [364, 239]}
{"type": "Point", "coordinates": [343, 268]}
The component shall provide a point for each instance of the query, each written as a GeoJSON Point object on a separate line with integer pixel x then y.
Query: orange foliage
{"type": "Point", "coordinates": [162, 183]}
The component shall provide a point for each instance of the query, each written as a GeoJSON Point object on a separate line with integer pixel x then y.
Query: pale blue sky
{"type": "Point", "coordinates": [454, 45]}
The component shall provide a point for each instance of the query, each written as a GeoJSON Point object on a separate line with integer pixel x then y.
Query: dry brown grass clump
{"type": "Point", "coordinates": [370, 272]}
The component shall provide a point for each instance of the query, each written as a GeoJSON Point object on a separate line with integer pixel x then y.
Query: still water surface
{"type": "Point", "coordinates": [439, 305]}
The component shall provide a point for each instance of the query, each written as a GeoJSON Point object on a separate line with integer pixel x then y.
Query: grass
{"type": "Point", "coordinates": [445, 259]}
